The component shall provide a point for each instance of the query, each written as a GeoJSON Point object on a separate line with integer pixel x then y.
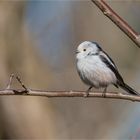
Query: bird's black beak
{"type": "Point", "coordinates": [77, 51]}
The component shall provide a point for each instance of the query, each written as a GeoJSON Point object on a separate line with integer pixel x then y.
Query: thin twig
{"type": "Point", "coordinates": [22, 84]}
{"type": "Point", "coordinates": [10, 81]}
{"type": "Point", "coordinates": [113, 16]}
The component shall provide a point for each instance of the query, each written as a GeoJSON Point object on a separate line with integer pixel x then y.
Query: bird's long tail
{"type": "Point", "coordinates": [129, 89]}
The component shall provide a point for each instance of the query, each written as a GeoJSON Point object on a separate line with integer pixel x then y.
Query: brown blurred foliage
{"type": "Point", "coordinates": [20, 116]}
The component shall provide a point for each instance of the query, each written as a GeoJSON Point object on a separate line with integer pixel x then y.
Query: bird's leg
{"type": "Point", "coordinates": [87, 92]}
{"type": "Point", "coordinates": [104, 92]}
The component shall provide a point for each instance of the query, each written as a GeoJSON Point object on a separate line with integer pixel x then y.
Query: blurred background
{"type": "Point", "coordinates": [38, 40]}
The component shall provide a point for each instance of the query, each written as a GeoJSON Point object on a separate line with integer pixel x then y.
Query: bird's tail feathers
{"type": "Point", "coordinates": [129, 89]}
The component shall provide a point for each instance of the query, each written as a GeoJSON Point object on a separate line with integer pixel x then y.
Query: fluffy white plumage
{"type": "Point", "coordinates": [90, 67]}
{"type": "Point", "coordinates": [97, 69]}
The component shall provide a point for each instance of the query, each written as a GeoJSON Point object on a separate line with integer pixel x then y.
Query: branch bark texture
{"type": "Point", "coordinates": [29, 92]}
{"type": "Point", "coordinates": [41, 93]}
{"type": "Point", "coordinates": [114, 17]}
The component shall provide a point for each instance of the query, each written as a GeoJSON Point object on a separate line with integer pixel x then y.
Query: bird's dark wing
{"type": "Point", "coordinates": [107, 56]}
{"type": "Point", "coordinates": [110, 64]}
{"type": "Point", "coordinates": [102, 52]}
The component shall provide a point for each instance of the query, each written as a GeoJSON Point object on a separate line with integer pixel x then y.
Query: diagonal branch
{"type": "Point", "coordinates": [19, 80]}
{"type": "Point", "coordinates": [10, 81]}
{"type": "Point", "coordinates": [114, 17]}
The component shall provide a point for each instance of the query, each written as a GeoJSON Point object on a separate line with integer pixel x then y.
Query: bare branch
{"type": "Point", "coordinates": [29, 92]}
{"type": "Point", "coordinates": [114, 17]}
{"type": "Point", "coordinates": [113, 95]}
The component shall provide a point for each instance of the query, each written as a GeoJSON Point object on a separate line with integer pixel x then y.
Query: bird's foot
{"type": "Point", "coordinates": [86, 94]}
{"type": "Point", "coordinates": [104, 94]}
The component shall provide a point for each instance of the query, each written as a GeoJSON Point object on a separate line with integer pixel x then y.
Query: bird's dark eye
{"type": "Point", "coordinates": [84, 50]}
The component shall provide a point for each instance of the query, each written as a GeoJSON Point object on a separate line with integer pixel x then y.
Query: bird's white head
{"type": "Point", "coordinates": [87, 48]}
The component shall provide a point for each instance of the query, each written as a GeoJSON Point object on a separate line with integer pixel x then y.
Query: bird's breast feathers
{"type": "Point", "coordinates": [93, 69]}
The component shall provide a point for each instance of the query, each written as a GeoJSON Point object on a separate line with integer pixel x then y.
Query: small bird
{"type": "Point", "coordinates": [97, 69]}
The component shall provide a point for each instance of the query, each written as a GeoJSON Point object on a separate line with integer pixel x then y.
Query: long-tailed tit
{"type": "Point", "coordinates": [97, 69]}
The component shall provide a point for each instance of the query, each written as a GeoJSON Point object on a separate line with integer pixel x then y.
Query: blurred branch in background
{"type": "Point", "coordinates": [123, 25]}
